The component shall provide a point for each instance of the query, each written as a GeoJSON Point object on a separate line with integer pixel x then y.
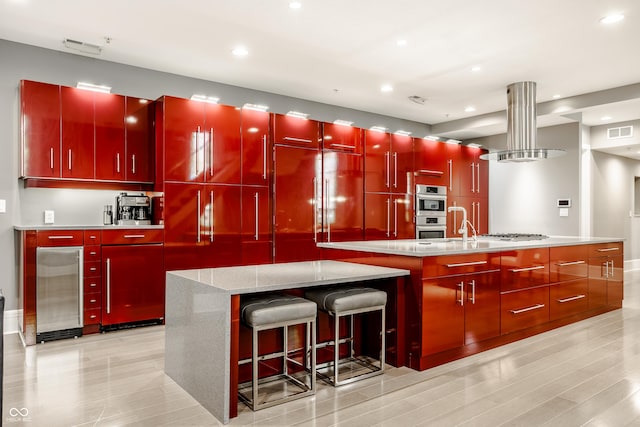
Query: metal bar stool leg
{"type": "Point", "coordinates": [254, 363]}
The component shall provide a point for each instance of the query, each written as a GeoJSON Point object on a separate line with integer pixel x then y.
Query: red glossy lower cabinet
{"type": "Point", "coordinates": [523, 309]}
{"type": "Point", "coordinates": [133, 283]}
{"type": "Point", "coordinates": [568, 298]}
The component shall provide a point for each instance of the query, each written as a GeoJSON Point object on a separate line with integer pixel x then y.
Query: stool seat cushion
{"type": "Point", "coordinates": [337, 300]}
{"type": "Point", "coordinates": [276, 308]}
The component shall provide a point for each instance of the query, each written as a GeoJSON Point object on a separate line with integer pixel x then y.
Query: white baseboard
{"type": "Point", "coordinates": [10, 322]}
{"type": "Point", "coordinates": [632, 264]}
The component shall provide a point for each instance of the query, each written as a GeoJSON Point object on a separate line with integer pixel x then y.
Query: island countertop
{"type": "Point", "coordinates": [435, 247]}
{"type": "Point", "coordinates": [274, 277]}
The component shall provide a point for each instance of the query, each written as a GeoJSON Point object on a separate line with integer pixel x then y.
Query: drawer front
{"type": "Point", "coordinates": [525, 268]}
{"type": "Point", "coordinates": [93, 316]}
{"type": "Point", "coordinates": [523, 309]}
{"type": "Point", "coordinates": [568, 298]}
{"type": "Point", "coordinates": [60, 238]}
{"type": "Point", "coordinates": [92, 253]}
{"type": "Point", "coordinates": [92, 284]}
{"type": "Point", "coordinates": [606, 249]}
{"type": "Point", "coordinates": [450, 265]}
{"type": "Point", "coordinates": [132, 236]}
{"type": "Point", "coordinates": [93, 301]}
{"type": "Point", "coordinates": [568, 263]}
{"type": "Point", "coordinates": [92, 237]}
{"type": "Point", "coordinates": [92, 269]}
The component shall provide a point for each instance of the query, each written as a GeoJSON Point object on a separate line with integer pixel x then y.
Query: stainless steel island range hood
{"type": "Point", "coordinates": [521, 127]}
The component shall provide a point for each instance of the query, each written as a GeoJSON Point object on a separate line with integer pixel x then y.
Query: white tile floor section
{"type": "Point", "coordinates": [582, 374]}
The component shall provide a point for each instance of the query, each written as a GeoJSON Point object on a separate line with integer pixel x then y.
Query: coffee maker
{"type": "Point", "coordinates": [133, 209]}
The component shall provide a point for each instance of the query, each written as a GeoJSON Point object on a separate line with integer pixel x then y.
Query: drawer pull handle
{"type": "Point", "coordinates": [520, 270]}
{"type": "Point", "coordinates": [134, 236]}
{"type": "Point", "coordinates": [93, 285]}
{"type": "Point", "coordinates": [290, 138]}
{"type": "Point", "coordinates": [93, 268]}
{"type": "Point", "coordinates": [523, 310]}
{"type": "Point", "coordinates": [429, 172]}
{"type": "Point", "coordinates": [609, 249]}
{"type": "Point", "coordinates": [93, 316]}
{"type": "Point", "coordinates": [350, 147]}
{"type": "Point", "coordinates": [466, 264]}
{"type": "Point", "coordinates": [564, 264]}
{"type": "Point", "coordinates": [60, 237]}
{"type": "Point", "coordinates": [577, 297]}
{"type": "Point", "coordinates": [93, 253]}
{"type": "Point", "coordinates": [92, 301]}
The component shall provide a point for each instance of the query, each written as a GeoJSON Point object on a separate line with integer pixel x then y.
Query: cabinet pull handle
{"type": "Point", "coordinates": [478, 181]}
{"type": "Point", "coordinates": [92, 301]}
{"type": "Point", "coordinates": [520, 270]}
{"type": "Point", "coordinates": [609, 249]}
{"type": "Point", "coordinates": [450, 164]}
{"type": "Point", "coordinates": [395, 217]}
{"type": "Point", "coordinates": [387, 167]}
{"type": "Point", "coordinates": [92, 253]}
{"type": "Point", "coordinates": [211, 136]}
{"type": "Point", "coordinates": [388, 215]}
{"type": "Point", "coordinates": [93, 268]}
{"type": "Point", "coordinates": [523, 310]}
{"type": "Point", "coordinates": [315, 209]}
{"type": "Point", "coordinates": [350, 147]}
{"type": "Point", "coordinates": [461, 300]}
{"type": "Point", "coordinates": [93, 285]}
{"type": "Point", "coordinates": [197, 149]}
{"type": "Point", "coordinates": [473, 291]}
{"type": "Point", "coordinates": [429, 172]}
{"type": "Point", "coordinates": [198, 217]}
{"type": "Point", "coordinates": [264, 156]}
{"type": "Point", "coordinates": [473, 177]}
{"type": "Point", "coordinates": [69, 158]}
{"type": "Point", "coordinates": [564, 264]}
{"type": "Point", "coordinates": [326, 213]}
{"type": "Point", "coordinates": [211, 216]}
{"type": "Point", "coordinates": [290, 138]}
{"type": "Point", "coordinates": [577, 297]}
{"type": "Point", "coordinates": [466, 264]}
{"type": "Point", "coordinates": [59, 237]}
{"type": "Point", "coordinates": [395, 170]}
{"type": "Point", "coordinates": [257, 198]}
{"type": "Point", "coordinates": [133, 163]}
{"type": "Point", "coordinates": [455, 218]}
{"type": "Point", "coordinates": [478, 223]}
{"type": "Point", "coordinates": [93, 316]}
{"type": "Point", "coordinates": [612, 274]}
{"type": "Point", "coordinates": [51, 157]}
{"type": "Point", "coordinates": [134, 236]}
{"type": "Point", "coordinates": [117, 162]}
{"type": "Point", "coordinates": [108, 286]}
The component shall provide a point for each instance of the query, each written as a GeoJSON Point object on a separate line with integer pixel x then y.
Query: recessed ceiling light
{"type": "Point", "coordinates": [605, 118]}
{"type": "Point", "coordinates": [470, 109]}
{"type": "Point", "coordinates": [476, 68]}
{"type": "Point", "coordinates": [612, 19]}
{"type": "Point", "coordinates": [295, 5]}
{"type": "Point", "coordinates": [386, 88]}
{"type": "Point", "coordinates": [401, 42]}
{"type": "Point", "coordinates": [240, 51]}
{"type": "Point", "coordinates": [556, 96]}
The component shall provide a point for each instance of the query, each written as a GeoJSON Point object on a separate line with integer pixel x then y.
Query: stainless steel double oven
{"type": "Point", "coordinates": [431, 212]}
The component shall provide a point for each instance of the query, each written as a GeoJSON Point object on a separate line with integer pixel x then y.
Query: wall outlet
{"type": "Point", "coordinates": [3, 206]}
{"type": "Point", "coordinates": [48, 217]}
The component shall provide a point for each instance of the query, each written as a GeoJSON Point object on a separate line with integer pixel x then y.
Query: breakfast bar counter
{"type": "Point", "coordinates": [202, 318]}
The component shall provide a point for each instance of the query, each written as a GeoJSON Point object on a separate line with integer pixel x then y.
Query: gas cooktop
{"type": "Point", "coordinates": [514, 236]}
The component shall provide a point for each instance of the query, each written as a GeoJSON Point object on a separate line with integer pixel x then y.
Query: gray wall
{"type": "Point", "coordinates": [522, 196]}
{"type": "Point", "coordinates": [26, 206]}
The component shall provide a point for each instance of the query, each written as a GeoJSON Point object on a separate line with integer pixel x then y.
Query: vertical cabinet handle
{"type": "Point", "coordinates": [478, 223]}
{"type": "Point", "coordinates": [395, 170]}
{"type": "Point", "coordinates": [315, 209]}
{"type": "Point", "coordinates": [108, 285]}
{"type": "Point", "coordinates": [450, 164]}
{"type": "Point", "coordinates": [478, 180]}
{"type": "Point", "coordinates": [473, 291]}
{"type": "Point", "coordinates": [455, 219]}
{"type": "Point", "coordinates": [211, 216]}
{"type": "Point", "coordinates": [264, 156]}
{"type": "Point", "coordinates": [117, 162]}
{"type": "Point", "coordinates": [257, 201]}
{"type": "Point", "coordinates": [473, 177]}
{"type": "Point", "coordinates": [612, 273]}
{"type": "Point", "coordinates": [211, 151]}
{"type": "Point", "coordinates": [387, 167]}
{"type": "Point", "coordinates": [606, 271]}
{"type": "Point", "coordinates": [395, 217]}
{"type": "Point", "coordinates": [198, 217]}
{"type": "Point", "coordinates": [69, 158]}
{"type": "Point", "coordinates": [51, 157]}
{"type": "Point", "coordinates": [326, 212]}
{"type": "Point", "coordinates": [388, 215]}
{"type": "Point", "coordinates": [133, 163]}
{"type": "Point", "coordinates": [461, 300]}
{"type": "Point", "coordinates": [197, 149]}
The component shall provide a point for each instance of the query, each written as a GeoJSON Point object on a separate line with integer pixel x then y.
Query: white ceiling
{"type": "Point", "coordinates": [340, 52]}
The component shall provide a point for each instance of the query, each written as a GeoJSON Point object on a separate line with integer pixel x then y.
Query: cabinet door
{"type": "Point", "coordinates": [442, 314]}
{"type": "Point", "coordinates": [482, 307]}
{"type": "Point", "coordinates": [568, 298]}
{"type": "Point", "coordinates": [295, 131]}
{"type": "Point", "coordinates": [480, 215]}
{"type": "Point", "coordinates": [598, 269]}
{"type": "Point", "coordinates": [222, 144]}
{"type": "Point", "coordinates": [615, 281]}
{"type": "Point", "coordinates": [109, 136]}
{"type": "Point", "coordinates": [139, 129]}
{"type": "Point", "coordinates": [256, 226]}
{"type": "Point", "coordinates": [568, 263]}
{"type": "Point", "coordinates": [184, 148]}
{"type": "Point", "coordinates": [78, 133]}
{"type": "Point", "coordinates": [430, 161]}
{"type": "Point", "coordinates": [523, 309]}
{"type": "Point", "coordinates": [401, 164]}
{"type": "Point", "coordinates": [377, 216]}
{"type": "Point", "coordinates": [183, 225]}
{"type": "Point", "coordinates": [454, 169]}
{"type": "Point", "coordinates": [221, 229]}
{"type": "Point", "coordinates": [467, 172]}
{"type": "Point", "coordinates": [377, 161]}
{"type": "Point", "coordinates": [342, 196]}
{"type": "Point", "coordinates": [40, 121]}
{"type": "Point", "coordinates": [403, 217]}
{"type": "Point", "coordinates": [524, 268]}
{"type": "Point", "coordinates": [341, 138]}
{"type": "Point", "coordinates": [256, 163]}
{"type": "Point", "coordinates": [297, 202]}
{"type": "Point", "coordinates": [131, 291]}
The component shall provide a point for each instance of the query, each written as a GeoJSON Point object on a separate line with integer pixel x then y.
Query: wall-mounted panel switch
{"type": "Point", "coordinates": [48, 217]}
{"type": "Point", "coordinates": [3, 206]}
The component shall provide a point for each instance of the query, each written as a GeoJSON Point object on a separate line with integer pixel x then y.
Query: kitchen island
{"type": "Point", "coordinates": [463, 298]}
{"type": "Point", "coordinates": [203, 334]}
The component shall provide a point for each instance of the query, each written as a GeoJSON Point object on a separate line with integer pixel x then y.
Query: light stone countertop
{"type": "Point", "coordinates": [42, 227]}
{"type": "Point", "coordinates": [292, 275]}
{"type": "Point", "coordinates": [434, 247]}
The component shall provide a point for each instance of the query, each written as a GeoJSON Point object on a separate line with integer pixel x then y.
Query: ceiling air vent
{"type": "Point", "coordinates": [417, 99]}
{"type": "Point", "coordinates": [620, 132]}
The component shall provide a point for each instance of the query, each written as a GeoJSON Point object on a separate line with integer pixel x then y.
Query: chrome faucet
{"type": "Point", "coordinates": [463, 226]}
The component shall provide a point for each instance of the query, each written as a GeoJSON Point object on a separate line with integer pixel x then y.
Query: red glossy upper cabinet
{"type": "Point", "coordinates": [431, 162]}
{"type": "Point", "coordinates": [40, 122]}
{"type": "Point", "coordinates": [78, 133]}
{"type": "Point", "coordinates": [401, 160]}
{"type": "Point", "coordinates": [138, 124]}
{"type": "Point", "coordinates": [256, 225]}
{"type": "Point", "coordinates": [377, 154]}
{"type": "Point", "coordinates": [256, 162]}
{"type": "Point", "coordinates": [341, 138]}
{"type": "Point", "coordinates": [110, 157]}
{"type": "Point", "coordinates": [184, 148]}
{"type": "Point", "coordinates": [292, 130]}
{"type": "Point", "coordinates": [222, 150]}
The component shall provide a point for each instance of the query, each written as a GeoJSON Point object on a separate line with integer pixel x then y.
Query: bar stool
{"type": "Point", "coordinates": [349, 301]}
{"type": "Point", "coordinates": [279, 311]}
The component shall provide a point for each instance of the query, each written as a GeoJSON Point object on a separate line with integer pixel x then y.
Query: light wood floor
{"type": "Point", "coordinates": [583, 374]}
